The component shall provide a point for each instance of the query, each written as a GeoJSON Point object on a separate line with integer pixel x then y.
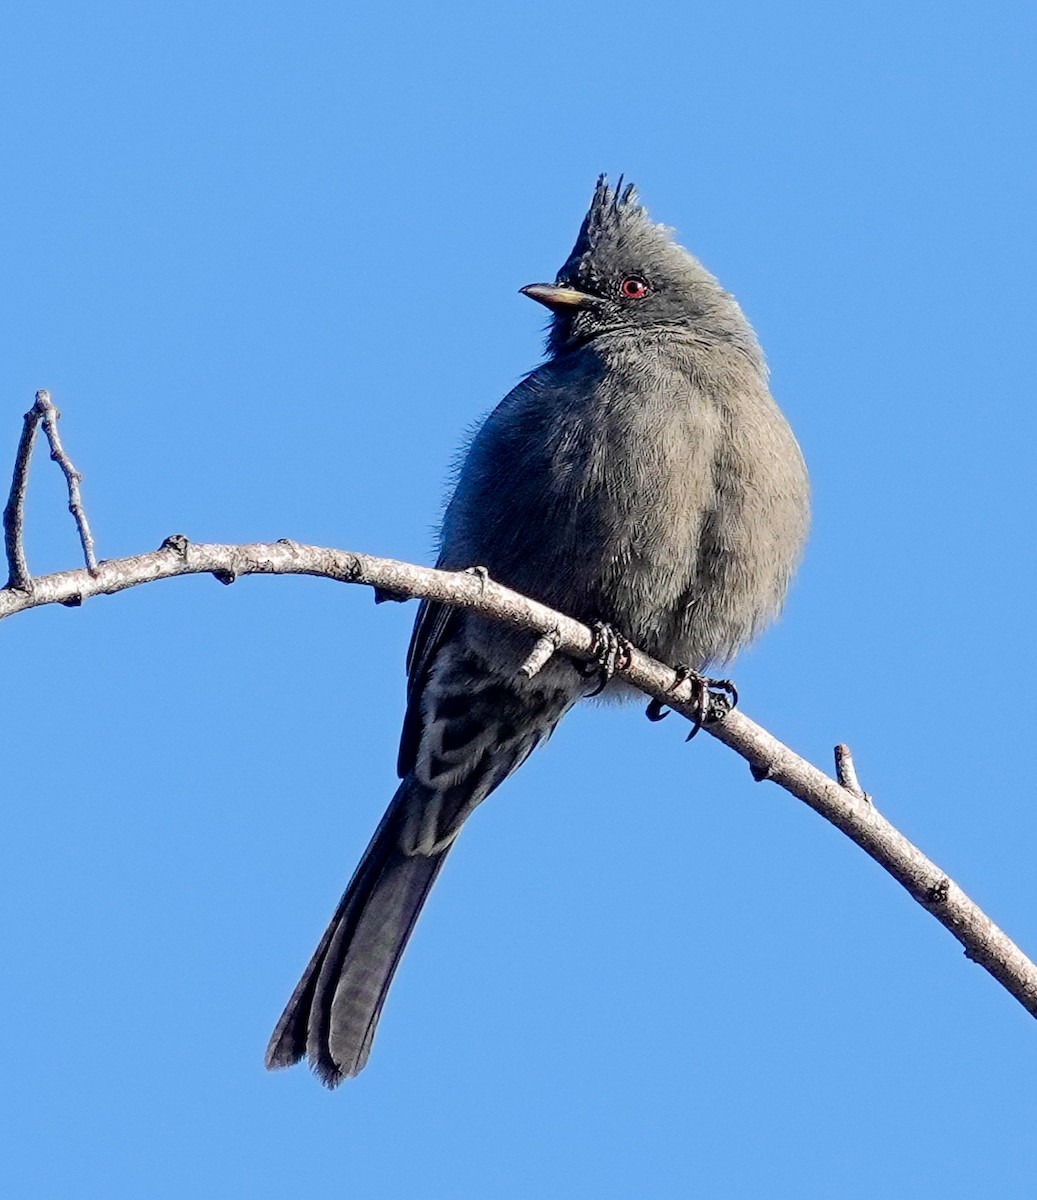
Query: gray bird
{"type": "Point", "coordinates": [641, 477]}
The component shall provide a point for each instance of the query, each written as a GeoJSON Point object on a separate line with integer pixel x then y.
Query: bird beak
{"type": "Point", "coordinates": [557, 298]}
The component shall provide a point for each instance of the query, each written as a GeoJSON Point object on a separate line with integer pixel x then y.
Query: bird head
{"type": "Point", "coordinates": [627, 273]}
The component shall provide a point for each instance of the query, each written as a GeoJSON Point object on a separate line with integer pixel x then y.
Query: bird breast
{"type": "Point", "coordinates": [650, 483]}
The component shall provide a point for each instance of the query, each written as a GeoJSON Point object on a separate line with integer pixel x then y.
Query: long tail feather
{"type": "Point", "coordinates": [332, 1014]}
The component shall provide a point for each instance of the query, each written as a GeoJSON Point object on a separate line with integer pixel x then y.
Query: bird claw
{"type": "Point", "coordinates": [610, 652]}
{"type": "Point", "coordinates": [712, 699]}
{"type": "Point", "coordinates": [657, 709]}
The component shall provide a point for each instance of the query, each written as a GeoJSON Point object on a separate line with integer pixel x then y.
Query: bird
{"type": "Point", "coordinates": [641, 479]}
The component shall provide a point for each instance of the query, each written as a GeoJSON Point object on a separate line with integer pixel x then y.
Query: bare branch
{"type": "Point", "coordinates": [840, 804]}
{"type": "Point", "coordinates": [840, 801]}
{"type": "Point", "coordinates": [14, 513]}
{"type": "Point", "coordinates": [73, 478]}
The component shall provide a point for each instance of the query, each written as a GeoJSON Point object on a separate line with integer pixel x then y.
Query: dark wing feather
{"type": "Point", "coordinates": [434, 623]}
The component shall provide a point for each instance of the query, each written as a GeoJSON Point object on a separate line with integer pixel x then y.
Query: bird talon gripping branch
{"type": "Point", "coordinates": [657, 709]}
{"type": "Point", "coordinates": [611, 652]}
{"type": "Point", "coordinates": [713, 699]}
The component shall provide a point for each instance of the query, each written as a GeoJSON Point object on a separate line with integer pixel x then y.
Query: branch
{"type": "Point", "coordinates": [841, 801]}
{"type": "Point", "coordinates": [845, 807]}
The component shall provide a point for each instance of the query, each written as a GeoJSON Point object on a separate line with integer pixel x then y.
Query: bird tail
{"type": "Point", "coordinates": [332, 1014]}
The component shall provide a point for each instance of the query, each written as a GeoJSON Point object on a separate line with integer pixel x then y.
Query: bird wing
{"type": "Point", "coordinates": [432, 626]}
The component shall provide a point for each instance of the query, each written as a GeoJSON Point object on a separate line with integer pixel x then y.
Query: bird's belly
{"type": "Point", "coordinates": [634, 574]}
{"type": "Point", "coordinates": [693, 584]}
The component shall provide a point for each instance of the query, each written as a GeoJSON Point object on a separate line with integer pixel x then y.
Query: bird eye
{"type": "Point", "coordinates": [634, 288]}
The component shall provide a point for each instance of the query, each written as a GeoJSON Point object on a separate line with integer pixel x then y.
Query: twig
{"type": "Point", "coordinates": [984, 942]}
{"type": "Point", "coordinates": [540, 655]}
{"type": "Point", "coordinates": [73, 478]}
{"type": "Point", "coordinates": [14, 512]}
{"type": "Point", "coordinates": [846, 772]}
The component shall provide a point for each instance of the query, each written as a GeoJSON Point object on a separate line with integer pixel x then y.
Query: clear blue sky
{"type": "Point", "coordinates": [266, 257]}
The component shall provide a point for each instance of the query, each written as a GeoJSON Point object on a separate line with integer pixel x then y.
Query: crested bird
{"type": "Point", "coordinates": [643, 478]}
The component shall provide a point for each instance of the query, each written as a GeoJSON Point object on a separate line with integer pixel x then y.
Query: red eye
{"type": "Point", "coordinates": [634, 288]}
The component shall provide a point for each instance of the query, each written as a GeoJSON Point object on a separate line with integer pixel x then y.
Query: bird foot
{"type": "Point", "coordinates": [611, 651]}
{"type": "Point", "coordinates": [712, 699]}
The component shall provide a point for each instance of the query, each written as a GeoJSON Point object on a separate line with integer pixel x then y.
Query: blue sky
{"type": "Point", "coordinates": [266, 257]}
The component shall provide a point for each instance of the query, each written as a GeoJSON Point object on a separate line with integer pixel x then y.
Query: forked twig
{"type": "Point", "coordinates": [14, 512]}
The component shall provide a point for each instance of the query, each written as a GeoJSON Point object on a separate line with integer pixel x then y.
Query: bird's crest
{"type": "Point", "coordinates": [610, 209]}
